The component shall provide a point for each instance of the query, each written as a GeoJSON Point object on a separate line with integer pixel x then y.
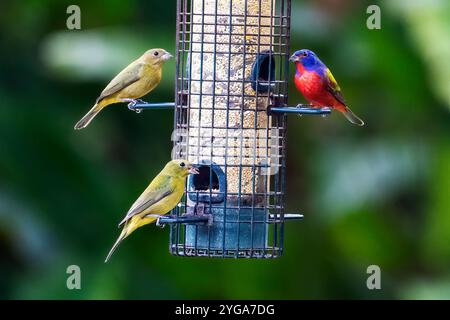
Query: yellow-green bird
{"type": "Point", "coordinates": [135, 81]}
{"type": "Point", "coordinates": [161, 196]}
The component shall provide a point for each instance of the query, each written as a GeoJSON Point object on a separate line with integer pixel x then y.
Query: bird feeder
{"type": "Point", "coordinates": [232, 64]}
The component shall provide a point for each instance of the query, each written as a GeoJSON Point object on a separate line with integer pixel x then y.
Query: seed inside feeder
{"type": "Point", "coordinates": [223, 103]}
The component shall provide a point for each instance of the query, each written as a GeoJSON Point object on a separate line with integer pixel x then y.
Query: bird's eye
{"type": "Point", "coordinates": [305, 54]}
{"type": "Point", "coordinates": [156, 53]}
{"type": "Point", "coordinates": [182, 164]}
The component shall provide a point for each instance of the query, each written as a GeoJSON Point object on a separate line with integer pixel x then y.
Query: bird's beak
{"type": "Point", "coordinates": [294, 58]}
{"type": "Point", "coordinates": [193, 170]}
{"type": "Point", "coordinates": [167, 56]}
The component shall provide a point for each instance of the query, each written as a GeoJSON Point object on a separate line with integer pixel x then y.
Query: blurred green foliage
{"type": "Point", "coordinates": [372, 195]}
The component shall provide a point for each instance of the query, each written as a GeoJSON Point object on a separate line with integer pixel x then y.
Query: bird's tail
{"type": "Point", "coordinates": [353, 118]}
{"type": "Point", "coordinates": [84, 122]}
{"type": "Point", "coordinates": [129, 227]}
{"type": "Point", "coordinates": [119, 240]}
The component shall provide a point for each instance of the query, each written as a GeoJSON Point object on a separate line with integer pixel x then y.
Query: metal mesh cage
{"type": "Point", "coordinates": [232, 66]}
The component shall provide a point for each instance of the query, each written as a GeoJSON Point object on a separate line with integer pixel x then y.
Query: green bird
{"type": "Point", "coordinates": [161, 196]}
{"type": "Point", "coordinates": [135, 81]}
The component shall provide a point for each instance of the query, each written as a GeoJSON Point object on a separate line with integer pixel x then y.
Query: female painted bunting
{"type": "Point", "coordinates": [315, 81]}
{"type": "Point", "coordinates": [135, 81]}
{"type": "Point", "coordinates": [161, 196]}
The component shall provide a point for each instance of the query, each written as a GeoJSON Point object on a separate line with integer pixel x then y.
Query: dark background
{"type": "Point", "coordinates": [372, 195]}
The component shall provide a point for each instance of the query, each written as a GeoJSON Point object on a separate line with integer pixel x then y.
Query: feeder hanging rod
{"type": "Point", "coordinates": [300, 109]}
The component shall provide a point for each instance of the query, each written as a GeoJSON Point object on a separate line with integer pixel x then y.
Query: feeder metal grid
{"type": "Point", "coordinates": [232, 65]}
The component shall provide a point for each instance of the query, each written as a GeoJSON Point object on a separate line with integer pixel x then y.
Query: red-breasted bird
{"type": "Point", "coordinates": [317, 84]}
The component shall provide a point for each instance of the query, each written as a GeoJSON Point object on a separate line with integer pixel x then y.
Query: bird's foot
{"type": "Point", "coordinates": [326, 109]}
{"type": "Point", "coordinates": [158, 217]}
{"type": "Point", "coordinates": [210, 220]}
{"type": "Point", "coordinates": [131, 101]}
{"type": "Point", "coordinates": [200, 211]}
{"type": "Point", "coordinates": [159, 224]}
{"type": "Point", "coordinates": [305, 105]}
{"type": "Point", "coordinates": [132, 104]}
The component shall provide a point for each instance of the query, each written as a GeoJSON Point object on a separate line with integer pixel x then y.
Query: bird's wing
{"type": "Point", "coordinates": [127, 76]}
{"type": "Point", "coordinates": [333, 87]}
{"type": "Point", "coordinates": [150, 196]}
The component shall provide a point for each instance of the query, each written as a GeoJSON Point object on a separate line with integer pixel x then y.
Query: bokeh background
{"type": "Point", "coordinates": [373, 195]}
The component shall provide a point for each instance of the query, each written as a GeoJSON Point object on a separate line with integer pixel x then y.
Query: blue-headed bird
{"type": "Point", "coordinates": [317, 84]}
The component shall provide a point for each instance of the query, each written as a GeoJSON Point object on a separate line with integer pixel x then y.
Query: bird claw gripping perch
{"type": "Point", "coordinates": [311, 109]}
{"type": "Point", "coordinates": [140, 101]}
{"type": "Point", "coordinates": [158, 222]}
{"type": "Point", "coordinates": [304, 105]}
{"type": "Point", "coordinates": [199, 210]}
{"type": "Point", "coordinates": [133, 103]}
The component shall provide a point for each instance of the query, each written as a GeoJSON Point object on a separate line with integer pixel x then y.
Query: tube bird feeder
{"type": "Point", "coordinates": [231, 111]}
{"type": "Point", "coordinates": [232, 63]}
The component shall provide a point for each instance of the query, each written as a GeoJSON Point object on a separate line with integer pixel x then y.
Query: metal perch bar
{"type": "Point", "coordinates": [301, 110]}
{"type": "Point", "coordinates": [287, 216]}
{"type": "Point", "coordinates": [286, 110]}
{"type": "Point", "coordinates": [152, 106]}
{"type": "Point", "coordinates": [275, 218]}
{"type": "Point", "coordinates": [204, 219]}
{"type": "Point", "coordinates": [190, 219]}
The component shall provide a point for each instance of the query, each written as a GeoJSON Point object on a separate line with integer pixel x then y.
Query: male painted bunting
{"type": "Point", "coordinates": [315, 81]}
{"type": "Point", "coordinates": [161, 196]}
{"type": "Point", "coordinates": [135, 81]}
